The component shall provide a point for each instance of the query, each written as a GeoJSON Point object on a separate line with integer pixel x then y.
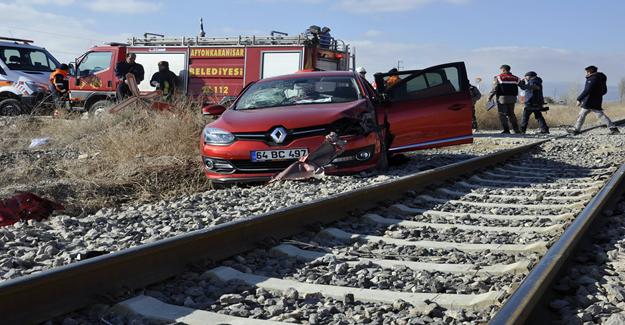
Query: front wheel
{"type": "Point", "coordinates": [100, 108]}
{"type": "Point", "coordinates": [10, 107]}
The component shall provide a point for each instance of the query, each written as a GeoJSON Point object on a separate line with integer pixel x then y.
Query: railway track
{"type": "Point", "coordinates": [471, 241]}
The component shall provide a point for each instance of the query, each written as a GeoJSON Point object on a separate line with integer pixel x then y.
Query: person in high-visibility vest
{"type": "Point", "coordinates": [59, 81]}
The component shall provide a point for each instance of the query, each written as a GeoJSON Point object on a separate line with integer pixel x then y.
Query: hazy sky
{"type": "Point", "coordinates": [556, 38]}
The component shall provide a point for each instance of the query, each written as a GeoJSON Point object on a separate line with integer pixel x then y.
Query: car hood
{"type": "Point", "coordinates": [290, 117]}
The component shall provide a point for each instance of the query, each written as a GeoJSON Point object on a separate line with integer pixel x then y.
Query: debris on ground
{"type": "Point", "coordinates": [36, 142]}
{"type": "Point", "coordinates": [147, 101]}
{"type": "Point", "coordinates": [26, 206]}
{"type": "Point", "coordinates": [312, 164]}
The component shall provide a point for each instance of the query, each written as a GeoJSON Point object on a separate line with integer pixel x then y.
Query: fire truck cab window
{"type": "Point", "coordinates": [429, 84]}
{"type": "Point", "coordinates": [94, 62]}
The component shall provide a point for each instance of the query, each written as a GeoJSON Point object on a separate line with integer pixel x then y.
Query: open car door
{"type": "Point", "coordinates": [428, 108]}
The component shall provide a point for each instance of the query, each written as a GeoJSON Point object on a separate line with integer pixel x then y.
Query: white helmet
{"type": "Point", "coordinates": [361, 70]}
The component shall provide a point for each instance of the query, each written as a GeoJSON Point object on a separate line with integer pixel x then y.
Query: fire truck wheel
{"type": "Point", "coordinates": [99, 108]}
{"type": "Point", "coordinates": [10, 107]}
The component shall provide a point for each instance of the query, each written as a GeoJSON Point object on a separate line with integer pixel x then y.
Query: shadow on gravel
{"type": "Point", "coordinates": [512, 136]}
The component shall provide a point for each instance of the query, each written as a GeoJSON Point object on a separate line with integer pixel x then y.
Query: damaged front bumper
{"type": "Point", "coordinates": [233, 163]}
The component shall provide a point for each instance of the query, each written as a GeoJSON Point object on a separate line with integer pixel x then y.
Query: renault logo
{"type": "Point", "coordinates": [278, 134]}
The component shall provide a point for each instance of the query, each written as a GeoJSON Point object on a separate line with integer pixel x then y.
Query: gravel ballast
{"type": "Point", "coordinates": [195, 290]}
{"type": "Point", "coordinates": [34, 246]}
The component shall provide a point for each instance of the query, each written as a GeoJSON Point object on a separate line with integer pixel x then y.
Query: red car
{"type": "Point", "coordinates": [275, 121]}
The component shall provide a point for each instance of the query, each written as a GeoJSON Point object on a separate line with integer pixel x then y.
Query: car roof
{"type": "Point", "coordinates": [18, 45]}
{"type": "Point", "coordinates": [312, 74]}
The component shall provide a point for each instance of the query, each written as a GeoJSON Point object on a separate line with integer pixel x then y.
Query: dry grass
{"type": "Point", "coordinates": [133, 155]}
{"type": "Point", "coordinates": [558, 115]}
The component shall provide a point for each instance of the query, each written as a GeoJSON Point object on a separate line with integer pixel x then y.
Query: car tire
{"type": "Point", "coordinates": [100, 108]}
{"type": "Point", "coordinates": [10, 107]}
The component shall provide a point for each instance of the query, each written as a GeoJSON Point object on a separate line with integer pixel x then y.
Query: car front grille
{"type": "Point", "coordinates": [292, 135]}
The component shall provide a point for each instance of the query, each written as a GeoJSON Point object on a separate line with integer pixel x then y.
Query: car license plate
{"type": "Point", "coordinates": [288, 154]}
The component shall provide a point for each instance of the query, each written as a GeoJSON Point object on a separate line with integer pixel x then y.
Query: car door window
{"type": "Point", "coordinates": [40, 61]}
{"type": "Point", "coordinates": [94, 62]}
{"type": "Point", "coordinates": [438, 82]}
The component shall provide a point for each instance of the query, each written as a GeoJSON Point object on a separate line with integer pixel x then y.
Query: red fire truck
{"type": "Point", "coordinates": [209, 69]}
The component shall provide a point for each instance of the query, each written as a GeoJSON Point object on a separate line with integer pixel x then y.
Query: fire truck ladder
{"type": "Point", "coordinates": [337, 45]}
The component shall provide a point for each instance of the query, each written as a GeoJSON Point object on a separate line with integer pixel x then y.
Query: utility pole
{"type": "Point", "coordinates": [400, 65]}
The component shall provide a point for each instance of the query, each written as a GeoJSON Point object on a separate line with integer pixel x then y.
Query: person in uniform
{"type": "Point", "coordinates": [505, 90]}
{"type": "Point", "coordinates": [165, 80]}
{"type": "Point", "coordinates": [59, 82]}
{"type": "Point", "coordinates": [122, 69]}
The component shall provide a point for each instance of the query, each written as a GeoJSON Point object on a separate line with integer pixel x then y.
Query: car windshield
{"type": "Point", "coordinates": [26, 59]}
{"type": "Point", "coordinates": [299, 91]}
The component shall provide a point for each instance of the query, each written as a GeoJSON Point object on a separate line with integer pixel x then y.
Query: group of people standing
{"type": "Point", "coordinates": [506, 90]}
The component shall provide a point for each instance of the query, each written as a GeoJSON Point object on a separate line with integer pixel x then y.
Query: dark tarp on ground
{"type": "Point", "coordinates": [26, 206]}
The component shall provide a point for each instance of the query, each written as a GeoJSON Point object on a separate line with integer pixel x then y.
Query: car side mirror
{"type": "Point", "coordinates": [72, 69]}
{"type": "Point", "coordinates": [213, 110]}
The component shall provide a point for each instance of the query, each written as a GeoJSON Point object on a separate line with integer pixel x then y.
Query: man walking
{"type": "Point", "coordinates": [534, 101]}
{"type": "Point", "coordinates": [506, 90]}
{"type": "Point", "coordinates": [122, 69]}
{"type": "Point", "coordinates": [591, 100]}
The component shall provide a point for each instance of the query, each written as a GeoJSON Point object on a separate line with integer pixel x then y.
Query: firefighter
{"type": "Point", "coordinates": [123, 68]}
{"type": "Point", "coordinates": [59, 82]}
{"type": "Point", "coordinates": [325, 38]}
{"type": "Point", "coordinates": [506, 91]}
{"type": "Point", "coordinates": [591, 100]}
{"type": "Point", "coordinates": [534, 101]}
{"type": "Point", "coordinates": [165, 80]}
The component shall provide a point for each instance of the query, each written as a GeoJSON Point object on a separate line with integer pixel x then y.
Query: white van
{"type": "Point", "coordinates": [24, 75]}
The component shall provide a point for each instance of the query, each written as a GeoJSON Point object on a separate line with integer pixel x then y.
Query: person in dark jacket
{"type": "Point", "coordinates": [165, 80]}
{"type": "Point", "coordinates": [534, 101]}
{"type": "Point", "coordinates": [475, 97]}
{"type": "Point", "coordinates": [591, 100]}
{"type": "Point", "coordinates": [506, 90]}
{"type": "Point", "coordinates": [122, 69]}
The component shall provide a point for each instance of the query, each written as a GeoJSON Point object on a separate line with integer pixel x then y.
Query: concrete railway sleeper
{"type": "Point", "coordinates": [326, 261]}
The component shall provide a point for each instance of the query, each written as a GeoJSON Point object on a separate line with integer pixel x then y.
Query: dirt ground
{"type": "Point", "coordinates": [88, 164]}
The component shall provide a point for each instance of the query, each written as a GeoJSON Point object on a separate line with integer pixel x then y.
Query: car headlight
{"type": "Point", "coordinates": [217, 136]}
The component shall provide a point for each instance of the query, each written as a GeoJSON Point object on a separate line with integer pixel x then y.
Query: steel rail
{"type": "Point", "coordinates": [525, 300]}
{"type": "Point", "coordinates": [41, 296]}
